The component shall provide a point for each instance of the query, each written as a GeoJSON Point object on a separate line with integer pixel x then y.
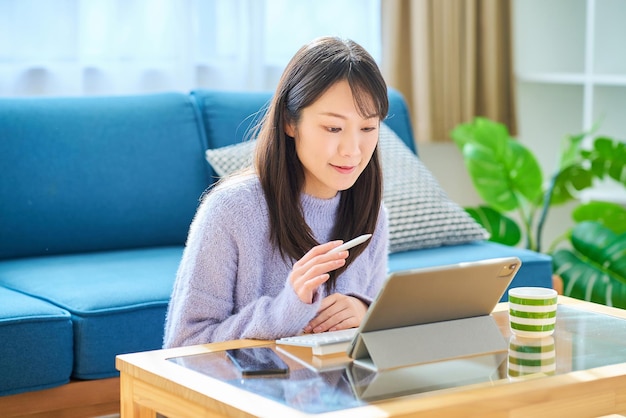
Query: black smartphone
{"type": "Point", "coordinates": [257, 361]}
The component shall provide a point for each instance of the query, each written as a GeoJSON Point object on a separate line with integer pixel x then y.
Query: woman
{"type": "Point", "coordinates": [256, 263]}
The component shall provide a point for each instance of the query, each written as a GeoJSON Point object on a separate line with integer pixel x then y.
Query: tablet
{"type": "Point", "coordinates": [434, 294]}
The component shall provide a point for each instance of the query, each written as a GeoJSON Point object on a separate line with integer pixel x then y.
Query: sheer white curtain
{"type": "Point", "coordinates": [103, 47]}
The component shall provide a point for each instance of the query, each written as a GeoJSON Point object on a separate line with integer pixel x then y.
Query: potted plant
{"type": "Point", "coordinates": [508, 178]}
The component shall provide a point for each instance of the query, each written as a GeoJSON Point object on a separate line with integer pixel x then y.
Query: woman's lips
{"type": "Point", "coordinates": [344, 169]}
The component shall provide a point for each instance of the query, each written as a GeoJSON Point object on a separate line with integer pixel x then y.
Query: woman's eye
{"type": "Point", "coordinates": [333, 129]}
{"type": "Point", "coordinates": [369, 129]}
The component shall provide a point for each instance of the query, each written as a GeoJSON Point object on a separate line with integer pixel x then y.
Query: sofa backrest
{"type": "Point", "coordinates": [229, 116]}
{"type": "Point", "coordinates": [105, 173]}
{"type": "Point", "coordinates": [91, 174]}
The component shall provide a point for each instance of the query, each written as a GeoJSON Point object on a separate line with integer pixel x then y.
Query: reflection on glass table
{"type": "Point", "coordinates": [528, 356]}
{"type": "Point", "coordinates": [582, 340]}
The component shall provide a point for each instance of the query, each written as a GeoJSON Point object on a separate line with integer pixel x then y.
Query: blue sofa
{"type": "Point", "coordinates": [96, 197]}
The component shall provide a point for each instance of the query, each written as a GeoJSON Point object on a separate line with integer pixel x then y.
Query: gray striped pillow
{"type": "Point", "coordinates": [421, 215]}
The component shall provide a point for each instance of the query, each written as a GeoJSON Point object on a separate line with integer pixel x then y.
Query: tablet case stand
{"type": "Point", "coordinates": [432, 342]}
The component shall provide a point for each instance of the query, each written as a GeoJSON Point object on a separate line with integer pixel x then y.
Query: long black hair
{"type": "Point", "coordinates": [314, 68]}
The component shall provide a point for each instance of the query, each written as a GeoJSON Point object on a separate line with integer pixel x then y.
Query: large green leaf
{"type": "Point", "coordinates": [611, 215]}
{"type": "Point", "coordinates": [501, 228]}
{"type": "Point", "coordinates": [490, 178]}
{"type": "Point", "coordinates": [595, 268]}
{"type": "Point", "coordinates": [569, 181]}
{"type": "Point", "coordinates": [505, 174]}
{"type": "Point", "coordinates": [608, 157]}
{"type": "Point", "coordinates": [524, 172]}
{"type": "Point", "coordinates": [586, 281]}
{"type": "Point", "coordinates": [579, 167]}
{"type": "Point", "coordinates": [572, 174]}
{"type": "Point", "coordinates": [482, 132]}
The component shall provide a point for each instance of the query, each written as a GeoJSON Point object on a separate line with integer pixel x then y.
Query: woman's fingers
{"type": "Point", "coordinates": [336, 312]}
{"type": "Point", "coordinates": [315, 268]}
{"type": "Point", "coordinates": [306, 282]}
{"type": "Point", "coordinates": [317, 251]}
{"type": "Point", "coordinates": [312, 269]}
{"type": "Point", "coordinates": [306, 290]}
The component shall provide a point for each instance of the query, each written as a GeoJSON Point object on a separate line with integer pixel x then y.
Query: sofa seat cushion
{"type": "Point", "coordinates": [36, 344]}
{"type": "Point", "coordinates": [117, 299]}
{"type": "Point", "coordinates": [536, 268]}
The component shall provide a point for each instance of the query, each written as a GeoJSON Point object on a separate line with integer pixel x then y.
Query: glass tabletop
{"type": "Point", "coordinates": [582, 340]}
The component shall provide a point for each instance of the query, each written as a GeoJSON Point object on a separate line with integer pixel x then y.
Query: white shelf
{"type": "Point", "coordinates": [577, 43]}
{"type": "Point", "coordinates": [573, 78]}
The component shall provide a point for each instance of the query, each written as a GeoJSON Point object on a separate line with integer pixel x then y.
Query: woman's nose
{"type": "Point", "coordinates": [350, 144]}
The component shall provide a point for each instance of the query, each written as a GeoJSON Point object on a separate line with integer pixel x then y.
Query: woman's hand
{"type": "Point", "coordinates": [312, 269]}
{"type": "Point", "coordinates": [337, 312]}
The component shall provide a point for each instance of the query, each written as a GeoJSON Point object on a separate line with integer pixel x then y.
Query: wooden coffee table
{"type": "Point", "coordinates": [590, 380]}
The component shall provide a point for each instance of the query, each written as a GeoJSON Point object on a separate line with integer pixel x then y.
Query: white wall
{"type": "Point", "coordinates": [446, 163]}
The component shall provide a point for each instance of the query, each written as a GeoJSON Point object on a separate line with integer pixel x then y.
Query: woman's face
{"type": "Point", "coordinates": [333, 141]}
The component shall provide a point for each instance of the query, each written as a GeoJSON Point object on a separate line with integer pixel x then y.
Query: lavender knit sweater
{"type": "Point", "coordinates": [232, 283]}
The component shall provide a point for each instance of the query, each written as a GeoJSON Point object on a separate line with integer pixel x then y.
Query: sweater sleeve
{"type": "Point", "coordinates": [204, 306]}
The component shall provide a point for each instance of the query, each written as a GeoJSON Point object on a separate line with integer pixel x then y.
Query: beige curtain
{"type": "Point", "coordinates": [452, 61]}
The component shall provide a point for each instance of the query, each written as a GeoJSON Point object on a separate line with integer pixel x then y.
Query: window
{"type": "Point", "coordinates": [86, 47]}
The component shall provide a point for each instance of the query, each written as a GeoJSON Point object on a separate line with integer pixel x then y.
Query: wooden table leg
{"type": "Point", "coordinates": [128, 407]}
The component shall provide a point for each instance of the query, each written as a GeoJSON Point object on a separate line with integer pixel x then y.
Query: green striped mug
{"type": "Point", "coordinates": [532, 311]}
